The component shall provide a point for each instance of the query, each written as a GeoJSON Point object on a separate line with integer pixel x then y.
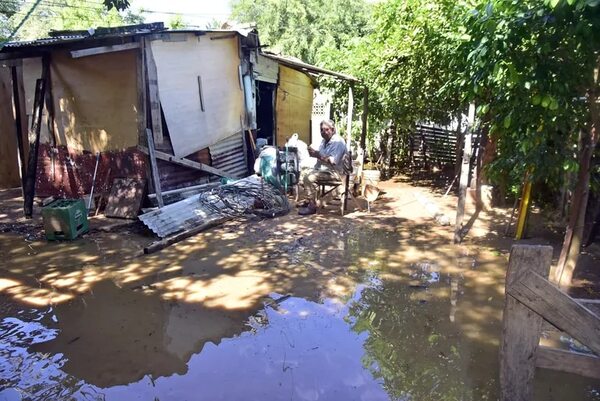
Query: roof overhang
{"type": "Point", "coordinates": [305, 67]}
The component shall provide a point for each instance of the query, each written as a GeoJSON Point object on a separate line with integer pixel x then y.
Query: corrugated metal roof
{"type": "Point", "coordinates": [178, 216]}
{"type": "Point", "coordinates": [228, 155]}
{"type": "Point", "coordinates": [61, 37]}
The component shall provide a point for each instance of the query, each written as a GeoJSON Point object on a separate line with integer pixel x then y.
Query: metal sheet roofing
{"type": "Point", "coordinates": [228, 155]}
{"type": "Point", "coordinates": [192, 212]}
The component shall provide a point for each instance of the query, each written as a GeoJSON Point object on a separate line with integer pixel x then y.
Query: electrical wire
{"type": "Point", "coordinates": [142, 10]}
{"type": "Point", "coordinates": [243, 198]}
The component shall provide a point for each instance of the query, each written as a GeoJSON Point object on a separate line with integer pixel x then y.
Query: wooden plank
{"type": "Point", "coordinates": [153, 95]}
{"type": "Point", "coordinates": [568, 361]}
{"type": "Point", "coordinates": [125, 198]}
{"type": "Point", "coordinates": [92, 51]}
{"type": "Point", "coordinates": [19, 126]}
{"type": "Point", "coordinates": [186, 163]}
{"type": "Point", "coordinates": [464, 178]}
{"type": "Point", "coordinates": [154, 167]}
{"type": "Point", "coordinates": [538, 294]}
{"type": "Point", "coordinates": [521, 327]}
{"type": "Point", "coordinates": [34, 141]}
{"type": "Point", "coordinates": [141, 91]}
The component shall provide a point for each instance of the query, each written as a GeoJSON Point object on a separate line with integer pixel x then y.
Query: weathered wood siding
{"type": "Point", "coordinates": [293, 105]}
{"type": "Point", "coordinates": [9, 167]}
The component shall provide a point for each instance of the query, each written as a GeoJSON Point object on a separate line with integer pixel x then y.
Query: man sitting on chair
{"type": "Point", "coordinates": [329, 165]}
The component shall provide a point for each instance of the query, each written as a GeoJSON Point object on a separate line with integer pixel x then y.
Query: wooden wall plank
{"type": "Point", "coordinates": [153, 94]}
{"type": "Point", "coordinates": [93, 51]}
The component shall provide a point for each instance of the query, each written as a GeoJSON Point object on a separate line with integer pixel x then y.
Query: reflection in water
{"type": "Point", "coordinates": [381, 328]}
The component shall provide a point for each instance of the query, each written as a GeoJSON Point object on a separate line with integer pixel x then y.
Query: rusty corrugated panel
{"type": "Point", "coordinates": [228, 155]}
{"type": "Point", "coordinates": [173, 176]}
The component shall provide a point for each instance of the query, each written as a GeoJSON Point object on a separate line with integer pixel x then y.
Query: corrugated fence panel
{"type": "Point", "coordinates": [433, 145]}
{"type": "Point", "coordinates": [228, 155]}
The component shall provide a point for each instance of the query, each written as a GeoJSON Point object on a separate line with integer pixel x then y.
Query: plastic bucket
{"type": "Point", "coordinates": [371, 177]}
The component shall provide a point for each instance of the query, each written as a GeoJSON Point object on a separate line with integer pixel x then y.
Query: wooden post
{"type": "Point", "coordinates": [349, 122]}
{"type": "Point", "coordinates": [18, 122]}
{"type": "Point", "coordinates": [521, 327]}
{"type": "Point", "coordinates": [464, 177]}
{"type": "Point", "coordinates": [141, 92]}
{"type": "Point", "coordinates": [365, 118]}
{"type": "Point", "coordinates": [152, 82]}
{"type": "Point", "coordinates": [154, 168]}
{"type": "Point", "coordinates": [523, 209]}
{"type": "Point", "coordinates": [34, 141]}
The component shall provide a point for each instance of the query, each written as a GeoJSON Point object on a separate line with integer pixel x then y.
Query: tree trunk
{"type": "Point", "coordinates": [563, 273]}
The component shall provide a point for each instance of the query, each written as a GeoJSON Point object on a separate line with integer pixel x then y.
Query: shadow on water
{"type": "Point", "coordinates": [329, 312]}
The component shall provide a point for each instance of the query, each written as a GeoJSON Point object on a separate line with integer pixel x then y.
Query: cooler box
{"type": "Point", "coordinates": [65, 219]}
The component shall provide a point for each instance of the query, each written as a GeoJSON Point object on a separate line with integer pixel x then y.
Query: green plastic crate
{"type": "Point", "coordinates": [65, 219]}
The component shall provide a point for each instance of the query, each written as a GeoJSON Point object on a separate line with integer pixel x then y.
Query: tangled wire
{"type": "Point", "coordinates": [245, 197]}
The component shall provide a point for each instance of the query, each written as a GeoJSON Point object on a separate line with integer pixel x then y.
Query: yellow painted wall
{"type": "Point", "coordinates": [293, 105]}
{"type": "Point", "coordinates": [95, 100]}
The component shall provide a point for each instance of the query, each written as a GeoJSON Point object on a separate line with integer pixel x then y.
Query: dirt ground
{"type": "Point", "coordinates": [362, 307]}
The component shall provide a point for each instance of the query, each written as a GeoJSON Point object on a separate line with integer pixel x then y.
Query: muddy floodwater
{"type": "Point", "coordinates": [272, 310]}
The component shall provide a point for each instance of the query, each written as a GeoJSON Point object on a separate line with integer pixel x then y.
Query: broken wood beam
{"type": "Point", "coordinates": [539, 295]}
{"type": "Point", "coordinates": [568, 361]}
{"type": "Point", "coordinates": [186, 163]}
{"type": "Point", "coordinates": [165, 242]}
{"type": "Point", "coordinates": [93, 51]}
{"type": "Point", "coordinates": [207, 186]}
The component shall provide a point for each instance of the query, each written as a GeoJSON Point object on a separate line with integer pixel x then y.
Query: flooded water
{"type": "Point", "coordinates": [359, 315]}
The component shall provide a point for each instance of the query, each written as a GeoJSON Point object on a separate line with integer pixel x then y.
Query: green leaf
{"type": "Point", "coordinates": [571, 2]}
{"type": "Point", "coordinates": [553, 105]}
{"type": "Point", "coordinates": [507, 121]}
{"type": "Point", "coordinates": [554, 3]}
{"type": "Point", "coordinates": [536, 100]}
{"type": "Point", "coordinates": [546, 101]}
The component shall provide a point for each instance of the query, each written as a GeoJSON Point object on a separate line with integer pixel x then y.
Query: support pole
{"type": "Point", "coordinates": [464, 177]}
{"type": "Point", "coordinates": [365, 119]}
{"type": "Point", "coordinates": [34, 141]}
{"type": "Point", "coordinates": [349, 122]}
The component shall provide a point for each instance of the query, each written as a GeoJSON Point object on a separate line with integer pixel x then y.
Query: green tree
{"type": "Point", "coordinates": [176, 22]}
{"type": "Point", "coordinates": [308, 30]}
